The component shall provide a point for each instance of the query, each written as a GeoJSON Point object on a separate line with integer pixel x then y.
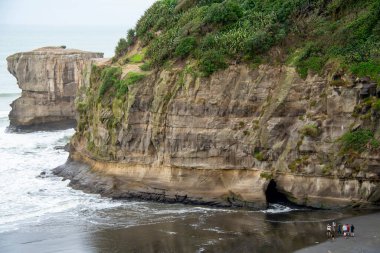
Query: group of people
{"type": "Point", "coordinates": [346, 230]}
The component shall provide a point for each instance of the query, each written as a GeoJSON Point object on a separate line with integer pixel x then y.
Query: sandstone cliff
{"type": "Point", "coordinates": [237, 103]}
{"type": "Point", "coordinates": [49, 78]}
{"type": "Point", "coordinates": [221, 140]}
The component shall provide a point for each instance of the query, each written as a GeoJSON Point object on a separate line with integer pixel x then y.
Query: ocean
{"type": "Point", "coordinates": [40, 213]}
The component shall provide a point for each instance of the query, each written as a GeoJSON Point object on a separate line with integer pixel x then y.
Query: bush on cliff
{"type": "Point", "coordinates": [121, 48]}
{"type": "Point", "coordinates": [110, 77]}
{"type": "Point", "coordinates": [359, 141]}
{"type": "Point", "coordinates": [347, 32]}
{"type": "Point", "coordinates": [185, 46]}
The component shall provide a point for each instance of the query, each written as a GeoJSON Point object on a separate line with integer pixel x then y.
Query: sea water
{"type": "Point", "coordinates": [40, 213]}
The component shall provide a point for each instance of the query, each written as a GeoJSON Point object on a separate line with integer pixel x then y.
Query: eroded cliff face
{"type": "Point", "coordinates": [49, 78]}
{"type": "Point", "coordinates": [221, 140]}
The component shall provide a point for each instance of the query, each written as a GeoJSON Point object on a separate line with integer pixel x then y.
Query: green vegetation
{"type": "Point", "coordinates": [185, 46]}
{"type": "Point", "coordinates": [266, 175]}
{"type": "Point", "coordinates": [369, 68]}
{"type": "Point", "coordinates": [131, 37]}
{"type": "Point", "coordinates": [368, 108]}
{"type": "Point", "coordinates": [359, 141]}
{"type": "Point", "coordinates": [111, 78]}
{"type": "Point", "coordinates": [259, 156]}
{"type": "Point", "coordinates": [311, 130]}
{"type": "Point", "coordinates": [216, 33]}
{"type": "Point", "coordinates": [131, 78]}
{"type": "Point", "coordinates": [123, 44]}
{"type": "Point", "coordinates": [146, 66]}
{"type": "Point", "coordinates": [298, 164]}
{"type": "Point", "coordinates": [137, 58]}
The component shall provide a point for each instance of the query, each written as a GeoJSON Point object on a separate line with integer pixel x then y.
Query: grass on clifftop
{"type": "Point", "coordinates": [217, 33]}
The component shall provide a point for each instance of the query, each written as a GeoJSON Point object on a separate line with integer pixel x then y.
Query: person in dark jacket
{"type": "Point", "coordinates": [352, 230]}
{"type": "Point", "coordinates": [339, 229]}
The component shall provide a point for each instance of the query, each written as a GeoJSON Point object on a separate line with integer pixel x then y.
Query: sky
{"type": "Point", "coordinates": [72, 12]}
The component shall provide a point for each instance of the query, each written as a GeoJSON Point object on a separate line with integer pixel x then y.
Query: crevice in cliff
{"type": "Point", "coordinates": [274, 196]}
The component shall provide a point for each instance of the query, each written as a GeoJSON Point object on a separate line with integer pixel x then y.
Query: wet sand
{"type": "Point", "coordinates": [152, 227]}
{"type": "Point", "coordinates": [366, 240]}
{"type": "Point", "coordinates": [171, 228]}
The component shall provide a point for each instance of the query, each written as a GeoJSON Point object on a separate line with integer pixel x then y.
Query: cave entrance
{"type": "Point", "coordinates": [274, 196]}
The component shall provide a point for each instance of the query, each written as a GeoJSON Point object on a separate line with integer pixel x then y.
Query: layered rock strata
{"type": "Point", "coordinates": [49, 78]}
{"type": "Point", "coordinates": [222, 140]}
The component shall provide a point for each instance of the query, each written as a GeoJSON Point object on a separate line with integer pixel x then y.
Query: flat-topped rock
{"type": "Point", "coordinates": [49, 78]}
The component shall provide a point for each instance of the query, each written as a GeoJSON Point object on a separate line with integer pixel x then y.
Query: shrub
{"type": "Point", "coordinates": [110, 77]}
{"type": "Point", "coordinates": [225, 12]}
{"type": "Point", "coordinates": [376, 105]}
{"type": "Point", "coordinates": [161, 48]}
{"type": "Point", "coordinates": [147, 66]}
{"type": "Point", "coordinates": [369, 68]}
{"type": "Point", "coordinates": [160, 15]}
{"type": "Point", "coordinates": [311, 130]}
{"type": "Point", "coordinates": [314, 64]}
{"type": "Point", "coordinates": [131, 37]}
{"type": "Point", "coordinates": [121, 48]}
{"type": "Point", "coordinates": [356, 140]}
{"type": "Point", "coordinates": [259, 156]}
{"type": "Point", "coordinates": [129, 79]}
{"type": "Point", "coordinates": [185, 46]}
{"type": "Point", "coordinates": [212, 61]}
{"type": "Point", "coordinates": [347, 32]}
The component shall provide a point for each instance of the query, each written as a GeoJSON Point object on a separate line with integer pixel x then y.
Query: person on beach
{"type": "Point", "coordinates": [352, 230]}
{"type": "Point", "coordinates": [339, 229]}
{"type": "Point", "coordinates": [345, 231]}
{"type": "Point", "coordinates": [328, 230]}
{"type": "Point", "coordinates": [348, 229]}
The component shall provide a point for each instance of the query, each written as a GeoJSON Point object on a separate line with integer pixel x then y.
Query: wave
{"type": "Point", "coordinates": [7, 95]}
{"type": "Point", "coordinates": [4, 114]}
{"type": "Point", "coordinates": [278, 208]}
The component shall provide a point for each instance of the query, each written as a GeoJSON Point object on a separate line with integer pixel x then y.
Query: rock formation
{"type": "Point", "coordinates": [49, 78]}
{"type": "Point", "coordinates": [247, 102]}
{"type": "Point", "coordinates": [221, 140]}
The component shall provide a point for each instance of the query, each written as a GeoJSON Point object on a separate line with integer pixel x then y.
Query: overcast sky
{"type": "Point", "coordinates": [72, 12]}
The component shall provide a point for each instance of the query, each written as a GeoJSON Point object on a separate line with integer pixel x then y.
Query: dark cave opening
{"type": "Point", "coordinates": [274, 196]}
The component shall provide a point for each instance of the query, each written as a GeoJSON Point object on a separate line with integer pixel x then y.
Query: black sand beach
{"type": "Point", "coordinates": [179, 228]}
{"type": "Point", "coordinates": [366, 240]}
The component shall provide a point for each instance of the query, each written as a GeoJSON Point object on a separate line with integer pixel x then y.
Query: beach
{"type": "Point", "coordinates": [366, 240]}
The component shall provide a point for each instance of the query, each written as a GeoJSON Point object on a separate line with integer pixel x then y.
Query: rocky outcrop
{"type": "Point", "coordinates": [49, 78]}
{"type": "Point", "coordinates": [221, 140]}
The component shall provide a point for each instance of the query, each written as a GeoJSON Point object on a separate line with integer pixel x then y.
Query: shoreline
{"type": "Point", "coordinates": [366, 240]}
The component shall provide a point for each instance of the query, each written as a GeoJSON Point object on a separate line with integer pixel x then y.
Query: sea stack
{"type": "Point", "coordinates": [49, 78]}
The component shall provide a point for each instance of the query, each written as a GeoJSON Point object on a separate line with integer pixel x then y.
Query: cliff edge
{"type": "Point", "coordinates": [237, 103]}
{"type": "Point", "coordinates": [49, 78]}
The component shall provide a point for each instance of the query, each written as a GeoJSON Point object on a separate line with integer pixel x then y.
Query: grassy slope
{"type": "Point", "coordinates": [211, 34]}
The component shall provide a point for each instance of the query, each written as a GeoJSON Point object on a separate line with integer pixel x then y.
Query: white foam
{"type": "Point", "coordinates": [26, 198]}
{"type": "Point", "coordinates": [216, 230]}
{"type": "Point", "coordinates": [278, 208]}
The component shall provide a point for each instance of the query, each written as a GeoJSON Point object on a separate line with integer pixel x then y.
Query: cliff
{"type": "Point", "coordinates": [221, 140]}
{"type": "Point", "coordinates": [49, 78]}
{"type": "Point", "coordinates": [189, 113]}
